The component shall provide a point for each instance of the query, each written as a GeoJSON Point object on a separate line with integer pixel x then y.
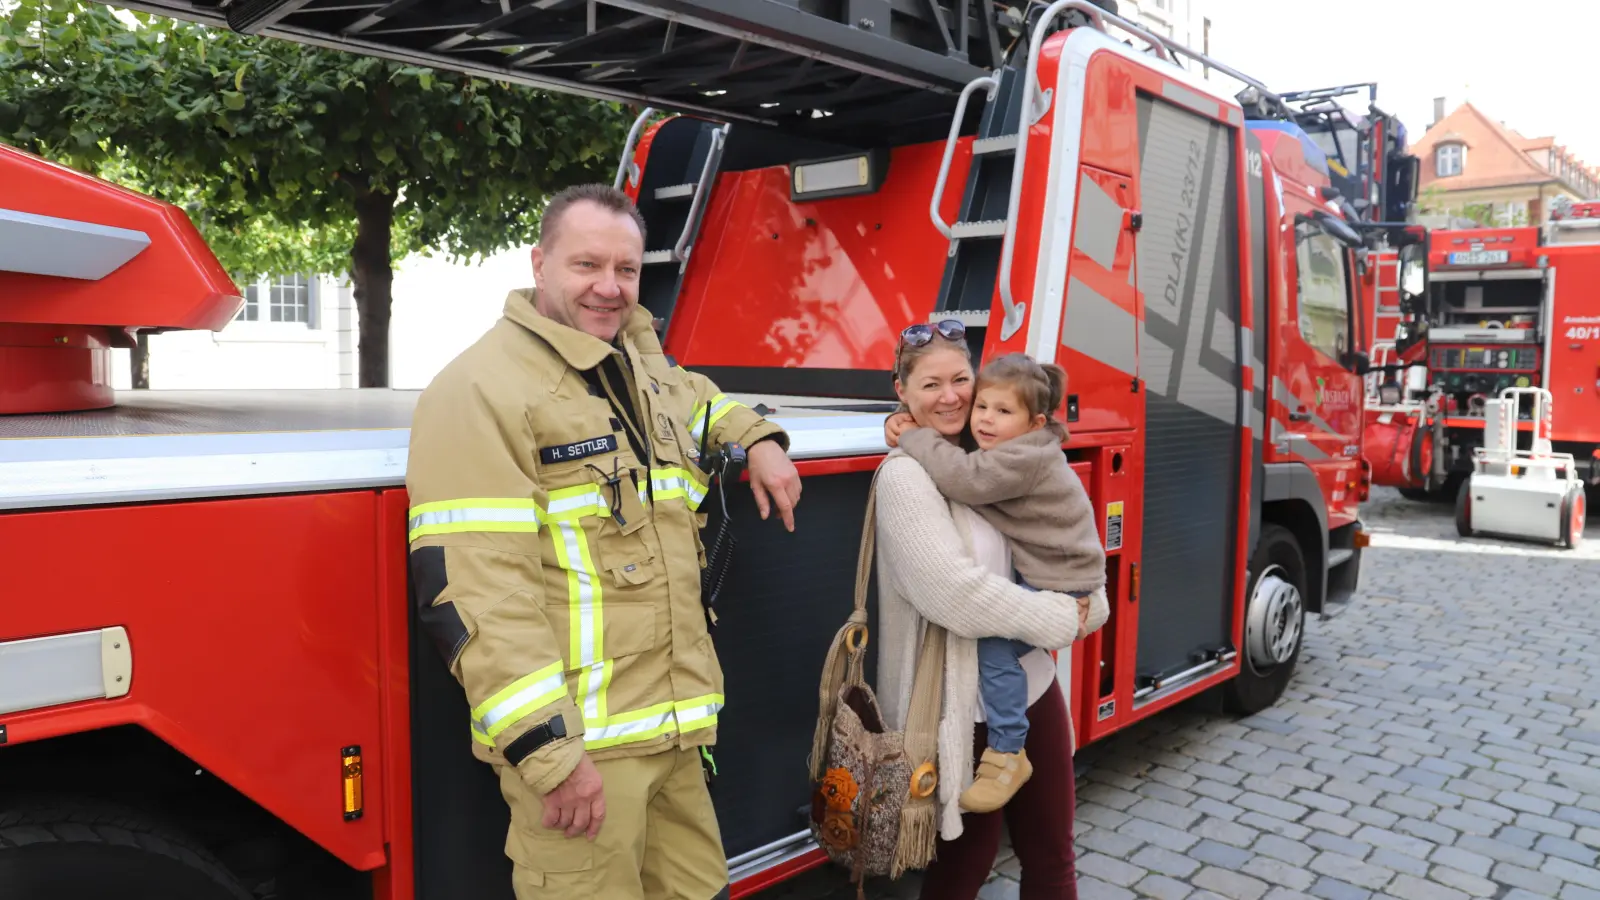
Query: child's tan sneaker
{"type": "Point", "coordinates": [999, 777]}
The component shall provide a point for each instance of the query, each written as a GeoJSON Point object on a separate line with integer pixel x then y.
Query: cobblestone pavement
{"type": "Point", "coordinates": [1440, 741]}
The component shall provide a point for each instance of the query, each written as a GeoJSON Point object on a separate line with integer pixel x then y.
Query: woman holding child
{"type": "Point", "coordinates": [952, 528]}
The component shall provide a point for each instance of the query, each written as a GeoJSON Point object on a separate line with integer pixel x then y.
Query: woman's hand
{"type": "Point", "coordinates": [896, 425]}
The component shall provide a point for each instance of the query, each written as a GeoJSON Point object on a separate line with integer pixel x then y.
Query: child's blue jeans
{"type": "Point", "coordinates": [1004, 688]}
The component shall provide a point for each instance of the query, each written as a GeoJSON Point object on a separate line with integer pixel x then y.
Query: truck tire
{"type": "Point", "coordinates": [1573, 510]}
{"type": "Point", "coordinates": [1417, 495]}
{"type": "Point", "coordinates": [53, 849]}
{"type": "Point", "coordinates": [1275, 615]}
{"type": "Point", "coordinates": [1464, 509]}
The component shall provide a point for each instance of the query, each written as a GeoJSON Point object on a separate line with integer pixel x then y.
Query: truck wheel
{"type": "Point", "coordinates": [1464, 509]}
{"type": "Point", "coordinates": [78, 849]}
{"type": "Point", "coordinates": [1275, 616]}
{"type": "Point", "coordinates": [1418, 495]}
{"type": "Point", "coordinates": [1572, 517]}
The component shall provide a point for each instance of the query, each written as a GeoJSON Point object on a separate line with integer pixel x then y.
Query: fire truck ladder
{"type": "Point", "coordinates": [982, 239]}
{"type": "Point", "coordinates": [674, 189]}
{"type": "Point", "coordinates": [972, 267]}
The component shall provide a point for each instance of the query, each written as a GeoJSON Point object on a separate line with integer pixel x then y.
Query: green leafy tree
{"type": "Point", "coordinates": [291, 158]}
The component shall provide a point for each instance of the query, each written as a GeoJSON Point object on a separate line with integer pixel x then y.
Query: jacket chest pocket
{"type": "Point", "coordinates": [586, 464]}
{"type": "Point", "coordinates": [672, 404]}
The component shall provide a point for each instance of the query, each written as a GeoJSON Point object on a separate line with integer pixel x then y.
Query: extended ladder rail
{"type": "Point", "coordinates": [1038, 103]}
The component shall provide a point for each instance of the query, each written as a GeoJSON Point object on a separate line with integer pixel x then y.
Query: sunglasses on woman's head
{"type": "Point", "coordinates": [921, 333]}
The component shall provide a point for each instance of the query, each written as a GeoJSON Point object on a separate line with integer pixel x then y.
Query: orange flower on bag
{"type": "Point", "coordinates": [839, 831]}
{"type": "Point", "coordinates": [839, 788]}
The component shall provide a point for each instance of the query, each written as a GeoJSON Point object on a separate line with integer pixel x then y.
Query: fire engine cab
{"type": "Point", "coordinates": [1507, 327]}
{"type": "Point", "coordinates": [212, 682]}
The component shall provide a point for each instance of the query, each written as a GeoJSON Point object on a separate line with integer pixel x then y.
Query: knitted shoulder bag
{"type": "Point", "coordinates": [873, 808]}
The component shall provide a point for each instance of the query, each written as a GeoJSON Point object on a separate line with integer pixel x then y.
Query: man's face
{"type": "Point", "coordinates": [588, 276]}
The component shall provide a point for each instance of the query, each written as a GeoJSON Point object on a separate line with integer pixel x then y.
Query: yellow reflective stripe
{"type": "Point", "coordinates": [573, 503]}
{"type": "Point", "coordinates": [503, 514]}
{"type": "Point", "coordinates": [631, 727]}
{"type": "Point", "coordinates": [521, 697]}
{"type": "Point", "coordinates": [586, 646]}
{"type": "Point", "coordinates": [480, 736]}
{"type": "Point", "coordinates": [654, 721]}
{"type": "Point", "coordinates": [720, 405]}
{"type": "Point", "coordinates": [677, 482]}
{"type": "Point", "coordinates": [701, 712]}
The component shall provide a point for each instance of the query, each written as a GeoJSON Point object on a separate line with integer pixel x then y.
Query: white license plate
{"type": "Point", "coordinates": [1478, 257]}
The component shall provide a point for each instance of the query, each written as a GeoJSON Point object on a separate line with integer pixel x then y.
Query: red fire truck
{"type": "Point", "coordinates": [1506, 308]}
{"type": "Point", "coordinates": [211, 679]}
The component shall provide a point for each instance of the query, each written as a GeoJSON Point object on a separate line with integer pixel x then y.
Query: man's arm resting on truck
{"type": "Point", "coordinates": [772, 473]}
{"type": "Point", "coordinates": [475, 567]}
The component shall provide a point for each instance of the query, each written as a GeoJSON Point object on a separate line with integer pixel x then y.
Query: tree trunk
{"type": "Point", "coordinates": [139, 359]}
{"type": "Point", "coordinates": [373, 280]}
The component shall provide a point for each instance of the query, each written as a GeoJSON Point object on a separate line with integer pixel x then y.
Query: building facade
{"type": "Point", "coordinates": [1184, 21]}
{"type": "Point", "coordinates": [1477, 169]}
{"type": "Point", "coordinates": [302, 332]}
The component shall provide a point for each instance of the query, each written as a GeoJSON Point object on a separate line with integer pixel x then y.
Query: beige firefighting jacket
{"type": "Point", "coordinates": [558, 572]}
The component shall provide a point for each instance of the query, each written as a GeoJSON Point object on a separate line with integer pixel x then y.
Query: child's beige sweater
{"type": "Point", "coordinates": [1026, 490]}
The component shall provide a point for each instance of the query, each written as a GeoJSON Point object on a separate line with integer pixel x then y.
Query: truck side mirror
{"type": "Point", "coordinates": [1358, 362]}
{"type": "Point", "coordinates": [1338, 229]}
{"type": "Point", "coordinates": [1413, 274]}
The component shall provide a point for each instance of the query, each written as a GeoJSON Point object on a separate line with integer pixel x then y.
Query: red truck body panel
{"type": "Point", "coordinates": [261, 679]}
{"type": "Point", "coordinates": [1574, 343]}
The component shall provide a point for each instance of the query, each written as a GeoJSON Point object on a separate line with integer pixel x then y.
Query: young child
{"type": "Point", "coordinates": [1018, 479]}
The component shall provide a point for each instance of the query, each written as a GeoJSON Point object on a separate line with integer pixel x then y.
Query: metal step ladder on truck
{"type": "Point", "coordinates": [216, 643]}
{"type": "Point", "coordinates": [1505, 309]}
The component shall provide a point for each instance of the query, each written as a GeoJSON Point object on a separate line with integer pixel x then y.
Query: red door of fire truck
{"type": "Point", "coordinates": [1321, 398]}
{"type": "Point", "coordinates": [1573, 345]}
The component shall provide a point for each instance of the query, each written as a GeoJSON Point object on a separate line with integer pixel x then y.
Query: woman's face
{"type": "Point", "coordinates": [938, 390]}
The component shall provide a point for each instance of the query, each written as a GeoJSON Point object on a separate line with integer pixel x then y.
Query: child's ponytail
{"type": "Point", "coordinates": [1056, 379]}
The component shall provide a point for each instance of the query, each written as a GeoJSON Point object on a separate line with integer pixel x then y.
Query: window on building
{"type": "Point", "coordinates": [278, 298]}
{"type": "Point", "coordinates": [1449, 159]}
{"type": "Point", "coordinates": [1324, 311]}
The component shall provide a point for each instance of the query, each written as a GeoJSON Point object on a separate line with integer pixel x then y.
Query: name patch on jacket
{"type": "Point", "coordinates": [605, 443]}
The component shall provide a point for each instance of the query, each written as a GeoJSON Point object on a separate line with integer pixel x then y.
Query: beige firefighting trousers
{"type": "Point", "coordinates": [659, 841]}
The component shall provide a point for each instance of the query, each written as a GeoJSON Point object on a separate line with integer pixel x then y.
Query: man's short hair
{"type": "Point", "coordinates": [602, 195]}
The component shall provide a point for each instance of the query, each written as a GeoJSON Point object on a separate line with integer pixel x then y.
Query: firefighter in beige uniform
{"type": "Point", "coordinates": [556, 558]}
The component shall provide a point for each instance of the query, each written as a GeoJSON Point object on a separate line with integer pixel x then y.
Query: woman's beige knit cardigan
{"type": "Point", "coordinates": [926, 573]}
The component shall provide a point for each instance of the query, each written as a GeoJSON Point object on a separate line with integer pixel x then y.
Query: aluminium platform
{"type": "Point", "coordinates": [182, 445]}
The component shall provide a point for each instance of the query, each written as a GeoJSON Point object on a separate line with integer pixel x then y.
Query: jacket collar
{"type": "Point", "coordinates": [579, 349]}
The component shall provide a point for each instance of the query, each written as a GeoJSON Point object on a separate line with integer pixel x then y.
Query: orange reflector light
{"type": "Point", "coordinates": [350, 765]}
{"type": "Point", "coordinates": [1362, 539]}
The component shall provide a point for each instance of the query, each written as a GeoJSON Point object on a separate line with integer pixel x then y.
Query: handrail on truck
{"type": "Point", "coordinates": [992, 84]}
{"type": "Point", "coordinates": [1038, 103]}
{"type": "Point", "coordinates": [702, 193]}
{"type": "Point", "coordinates": [697, 203]}
{"type": "Point", "coordinates": [627, 148]}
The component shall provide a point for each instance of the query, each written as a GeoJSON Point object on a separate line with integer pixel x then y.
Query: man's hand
{"type": "Point", "coordinates": [1083, 616]}
{"type": "Point", "coordinates": [772, 472]}
{"type": "Point", "coordinates": [577, 804]}
{"type": "Point", "coordinates": [896, 425]}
